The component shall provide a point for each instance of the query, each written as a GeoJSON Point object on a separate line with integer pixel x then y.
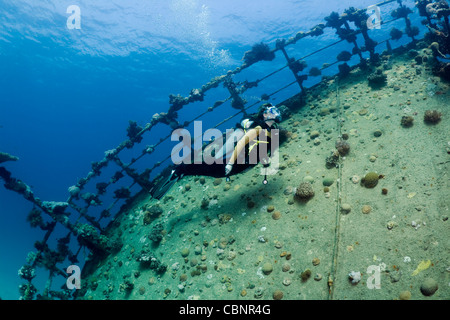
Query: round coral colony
{"type": "Point", "coordinates": [276, 215]}
{"type": "Point", "coordinates": [370, 180]}
{"type": "Point", "coordinates": [267, 268]}
{"type": "Point", "coordinates": [346, 208]}
{"type": "Point", "coordinates": [278, 295]}
{"type": "Point", "coordinates": [366, 209]}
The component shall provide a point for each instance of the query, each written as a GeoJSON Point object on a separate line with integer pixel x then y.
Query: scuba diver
{"type": "Point", "coordinates": [234, 153]}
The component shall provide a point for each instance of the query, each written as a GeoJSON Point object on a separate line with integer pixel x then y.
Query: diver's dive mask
{"type": "Point", "coordinates": [272, 113]}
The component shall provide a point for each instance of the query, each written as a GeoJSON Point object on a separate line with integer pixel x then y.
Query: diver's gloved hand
{"type": "Point", "coordinates": [228, 169]}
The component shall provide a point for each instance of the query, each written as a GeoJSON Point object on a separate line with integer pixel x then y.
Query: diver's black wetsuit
{"type": "Point", "coordinates": [216, 170]}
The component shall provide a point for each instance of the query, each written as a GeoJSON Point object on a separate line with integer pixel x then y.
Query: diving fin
{"type": "Point", "coordinates": [165, 185]}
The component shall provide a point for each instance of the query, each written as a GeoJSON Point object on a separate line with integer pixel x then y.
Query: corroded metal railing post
{"type": "Point", "coordinates": [237, 102]}
{"type": "Point", "coordinates": [335, 21]}
{"type": "Point", "coordinates": [295, 66]}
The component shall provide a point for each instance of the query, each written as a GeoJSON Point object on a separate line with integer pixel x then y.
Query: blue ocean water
{"type": "Point", "coordinates": [66, 95]}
